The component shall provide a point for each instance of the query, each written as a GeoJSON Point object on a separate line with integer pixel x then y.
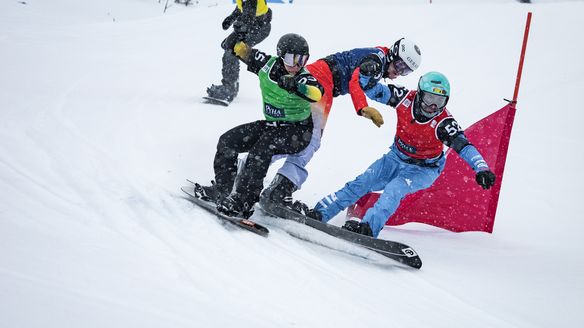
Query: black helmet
{"type": "Point", "coordinates": [292, 43]}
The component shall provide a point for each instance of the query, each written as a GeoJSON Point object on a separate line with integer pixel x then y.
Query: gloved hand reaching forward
{"type": "Point", "coordinates": [227, 22]}
{"type": "Point", "coordinates": [241, 50]}
{"type": "Point", "coordinates": [288, 83]}
{"type": "Point", "coordinates": [372, 114]}
{"type": "Point", "coordinates": [486, 179]}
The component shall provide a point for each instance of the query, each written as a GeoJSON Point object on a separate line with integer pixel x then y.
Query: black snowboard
{"type": "Point", "coordinates": [211, 207]}
{"type": "Point", "coordinates": [391, 249]}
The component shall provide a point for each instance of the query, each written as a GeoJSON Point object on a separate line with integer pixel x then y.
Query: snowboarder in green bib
{"type": "Point", "coordinates": [288, 89]}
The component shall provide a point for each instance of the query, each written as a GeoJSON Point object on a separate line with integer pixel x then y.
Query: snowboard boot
{"type": "Point", "coordinates": [362, 228]}
{"type": "Point", "coordinates": [222, 92]}
{"type": "Point", "coordinates": [206, 193]}
{"type": "Point", "coordinates": [279, 191]}
{"type": "Point", "coordinates": [303, 209]}
{"type": "Point", "coordinates": [234, 205]}
{"type": "Point", "coordinates": [212, 193]}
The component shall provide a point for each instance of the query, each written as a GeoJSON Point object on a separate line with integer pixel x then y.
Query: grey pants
{"type": "Point", "coordinates": [230, 70]}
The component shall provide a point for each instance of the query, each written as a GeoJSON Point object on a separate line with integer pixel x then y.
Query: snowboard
{"type": "Point", "coordinates": [211, 207]}
{"type": "Point", "coordinates": [215, 101]}
{"type": "Point", "coordinates": [397, 251]}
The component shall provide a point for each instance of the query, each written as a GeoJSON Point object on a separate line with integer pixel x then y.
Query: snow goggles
{"type": "Point", "coordinates": [295, 60]}
{"type": "Point", "coordinates": [401, 67]}
{"type": "Point", "coordinates": [430, 99]}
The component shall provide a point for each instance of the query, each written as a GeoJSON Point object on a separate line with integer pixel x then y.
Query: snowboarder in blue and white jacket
{"type": "Point", "coordinates": [339, 74]}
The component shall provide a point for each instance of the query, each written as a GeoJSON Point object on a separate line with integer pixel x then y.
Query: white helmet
{"type": "Point", "coordinates": [408, 52]}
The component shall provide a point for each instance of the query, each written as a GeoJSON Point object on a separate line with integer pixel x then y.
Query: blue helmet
{"type": "Point", "coordinates": [433, 93]}
{"type": "Point", "coordinates": [434, 82]}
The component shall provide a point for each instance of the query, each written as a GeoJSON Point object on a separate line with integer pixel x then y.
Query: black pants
{"type": "Point", "coordinates": [230, 70]}
{"type": "Point", "coordinates": [262, 140]}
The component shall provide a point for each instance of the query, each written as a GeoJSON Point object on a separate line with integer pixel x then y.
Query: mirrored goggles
{"type": "Point", "coordinates": [430, 99]}
{"type": "Point", "coordinates": [295, 60]}
{"type": "Point", "coordinates": [401, 67]}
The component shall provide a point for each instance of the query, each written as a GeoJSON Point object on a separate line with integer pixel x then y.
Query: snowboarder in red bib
{"type": "Point", "coordinates": [415, 159]}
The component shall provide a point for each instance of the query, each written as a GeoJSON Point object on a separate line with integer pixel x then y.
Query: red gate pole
{"type": "Point", "coordinates": [521, 59]}
{"type": "Point", "coordinates": [506, 133]}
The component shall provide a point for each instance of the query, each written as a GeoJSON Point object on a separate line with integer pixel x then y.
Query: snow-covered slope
{"type": "Point", "coordinates": [101, 122]}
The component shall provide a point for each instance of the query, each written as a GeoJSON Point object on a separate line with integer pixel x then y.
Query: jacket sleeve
{"type": "Point", "coordinates": [451, 134]}
{"type": "Point", "coordinates": [379, 92]}
{"type": "Point", "coordinates": [256, 60]}
{"type": "Point", "coordinates": [357, 94]}
{"type": "Point", "coordinates": [389, 94]}
{"type": "Point", "coordinates": [368, 82]}
{"type": "Point", "coordinates": [308, 87]}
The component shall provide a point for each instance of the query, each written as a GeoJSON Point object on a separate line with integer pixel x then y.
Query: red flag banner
{"type": "Point", "coordinates": [455, 201]}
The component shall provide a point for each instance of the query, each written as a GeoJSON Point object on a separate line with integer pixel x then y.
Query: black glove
{"type": "Point", "coordinates": [227, 22]}
{"type": "Point", "coordinates": [369, 68]}
{"type": "Point", "coordinates": [486, 179]}
{"type": "Point", "coordinates": [288, 83]}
